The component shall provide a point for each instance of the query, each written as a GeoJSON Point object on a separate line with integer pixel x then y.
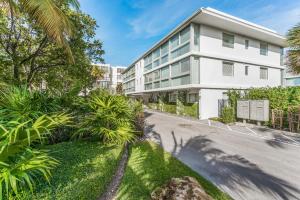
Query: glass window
{"type": "Point", "coordinates": [182, 50]}
{"type": "Point", "coordinates": [164, 59]}
{"type": "Point", "coordinates": [148, 67]}
{"type": "Point", "coordinates": [156, 63]}
{"type": "Point", "coordinates": [156, 84]}
{"type": "Point", "coordinates": [148, 59]}
{"type": "Point", "coordinates": [174, 41]}
{"type": "Point", "coordinates": [227, 69]}
{"type": "Point", "coordinates": [148, 78]}
{"type": "Point", "coordinates": [165, 83]}
{"type": "Point", "coordinates": [193, 97]}
{"type": "Point", "coordinates": [197, 35]}
{"type": "Point", "coordinates": [156, 54]}
{"type": "Point", "coordinates": [185, 35]}
{"type": "Point", "coordinates": [164, 48]}
{"type": "Point", "coordinates": [263, 49]}
{"type": "Point", "coordinates": [281, 56]}
{"type": "Point", "coordinates": [228, 40]}
{"type": "Point", "coordinates": [156, 74]}
{"type": "Point", "coordinates": [246, 70]}
{"type": "Point", "coordinates": [263, 73]}
{"type": "Point", "coordinates": [165, 72]}
{"type": "Point", "coordinates": [183, 80]}
{"type": "Point", "coordinates": [246, 44]}
{"type": "Point", "coordinates": [172, 97]}
{"type": "Point", "coordinates": [148, 86]}
{"type": "Point", "coordinates": [185, 65]}
{"type": "Point", "coordinates": [175, 69]}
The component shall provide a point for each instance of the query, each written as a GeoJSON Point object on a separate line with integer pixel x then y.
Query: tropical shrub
{"type": "Point", "coordinates": [228, 115]}
{"type": "Point", "coordinates": [25, 122]}
{"type": "Point", "coordinates": [110, 119]}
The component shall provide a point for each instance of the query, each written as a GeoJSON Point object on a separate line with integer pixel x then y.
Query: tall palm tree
{"type": "Point", "coordinates": [294, 48]}
{"type": "Point", "coordinates": [48, 16]}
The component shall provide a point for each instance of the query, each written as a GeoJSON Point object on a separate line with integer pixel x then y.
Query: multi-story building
{"type": "Point", "coordinates": [291, 79]}
{"type": "Point", "coordinates": [112, 77]}
{"type": "Point", "coordinates": [207, 54]}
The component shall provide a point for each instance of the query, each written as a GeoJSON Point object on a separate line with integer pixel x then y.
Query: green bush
{"type": "Point", "coordinates": [191, 110]}
{"type": "Point", "coordinates": [228, 115]}
{"type": "Point", "coordinates": [153, 106]}
{"type": "Point", "coordinates": [170, 108]}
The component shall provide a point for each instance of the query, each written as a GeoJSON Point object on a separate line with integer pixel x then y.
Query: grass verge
{"type": "Point", "coordinates": [149, 166]}
{"type": "Point", "coordinates": [85, 170]}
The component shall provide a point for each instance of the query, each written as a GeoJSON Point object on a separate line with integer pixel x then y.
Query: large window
{"type": "Point", "coordinates": [192, 97]}
{"type": "Point", "coordinates": [182, 50]}
{"type": "Point", "coordinates": [164, 59]}
{"type": "Point", "coordinates": [148, 59]}
{"type": "Point", "coordinates": [174, 41]}
{"type": "Point", "coordinates": [263, 48]}
{"type": "Point", "coordinates": [148, 86]}
{"type": "Point", "coordinates": [165, 72]}
{"type": "Point", "coordinates": [148, 78]}
{"type": "Point", "coordinates": [155, 63]}
{"type": "Point", "coordinates": [156, 54]}
{"type": "Point", "coordinates": [263, 73]}
{"type": "Point", "coordinates": [183, 80]}
{"type": "Point", "coordinates": [228, 40]}
{"type": "Point", "coordinates": [228, 69]}
{"type": "Point", "coordinates": [172, 97]}
{"type": "Point", "coordinates": [156, 75]}
{"type": "Point", "coordinates": [164, 48]}
{"type": "Point", "coordinates": [185, 35]}
{"type": "Point", "coordinates": [181, 67]}
{"type": "Point", "coordinates": [165, 83]}
{"type": "Point", "coordinates": [156, 85]}
{"type": "Point", "coordinates": [197, 36]}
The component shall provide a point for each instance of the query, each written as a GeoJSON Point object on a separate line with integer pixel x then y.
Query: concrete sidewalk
{"type": "Point", "coordinates": [244, 162]}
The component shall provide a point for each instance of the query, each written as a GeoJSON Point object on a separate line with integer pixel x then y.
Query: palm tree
{"type": "Point", "coordinates": [293, 40]}
{"type": "Point", "coordinates": [48, 16]}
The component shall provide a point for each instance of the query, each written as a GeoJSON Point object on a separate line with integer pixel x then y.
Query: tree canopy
{"type": "Point", "coordinates": [293, 39]}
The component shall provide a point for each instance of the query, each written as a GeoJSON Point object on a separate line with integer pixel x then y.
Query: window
{"type": "Point", "coordinates": [193, 97]}
{"type": "Point", "coordinates": [183, 80]}
{"type": "Point", "coordinates": [172, 97]}
{"type": "Point", "coordinates": [181, 67]}
{"type": "Point", "coordinates": [197, 35]}
{"type": "Point", "coordinates": [164, 48]}
{"type": "Point", "coordinates": [165, 83]}
{"type": "Point", "coordinates": [246, 70]}
{"type": "Point", "coordinates": [156, 54]}
{"type": "Point", "coordinates": [156, 63]}
{"type": "Point", "coordinates": [263, 49]}
{"type": "Point", "coordinates": [174, 41]}
{"type": "Point", "coordinates": [246, 44]}
{"type": "Point", "coordinates": [156, 85]}
{"type": "Point", "coordinates": [228, 40]}
{"type": "Point", "coordinates": [281, 56]}
{"type": "Point", "coordinates": [165, 72]}
{"type": "Point", "coordinates": [156, 75]}
{"type": "Point", "coordinates": [227, 69]}
{"type": "Point", "coordinates": [148, 78]}
{"type": "Point", "coordinates": [164, 59]}
{"type": "Point", "coordinates": [148, 67]}
{"type": "Point", "coordinates": [263, 73]}
{"type": "Point", "coordinates": [148, 86]}
{"type": "Point", "coordinates": [185, 35]}
{"type": "Point", "coordinates": [182, 50]}
{"type": "Point", "coordinates": [148, 59]}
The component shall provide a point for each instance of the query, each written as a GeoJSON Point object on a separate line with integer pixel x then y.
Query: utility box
{"type": "Point", "coordinates": [243, 109]}
{"type": "Point", "coordinates": [259, 110]}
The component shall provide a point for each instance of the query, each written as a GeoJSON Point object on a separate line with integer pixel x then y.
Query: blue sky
{"type": "Point", "coordinates": [129, 27]}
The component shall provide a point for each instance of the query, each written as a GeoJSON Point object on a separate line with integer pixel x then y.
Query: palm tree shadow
{"type": "Point", "coordinates": [231, 170]}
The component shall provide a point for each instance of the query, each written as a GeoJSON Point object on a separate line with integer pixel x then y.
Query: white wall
{"type": "Point", "coordinates": [208, 102]}
{"type": "Point", "coordinates": [211, 42]}
{"type": "Point", "coordinates": [139, 77]}
{"type": "Point", "coordinates": [211, 72]}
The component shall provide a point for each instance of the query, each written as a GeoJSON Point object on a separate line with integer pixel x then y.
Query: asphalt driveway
{"type": "Point", "coordinates": [246, 162]}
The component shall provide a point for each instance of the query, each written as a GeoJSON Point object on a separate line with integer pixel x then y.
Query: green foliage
{"type": "Point", "coordinates": [84, 172]}
{"type": "Point", "coordinates": [294, 48]}
{"type": "Point", "coordinates": [149, 167]}
{"type": "Point", "coordinates": [170, 108]}
{"type": "Point", "coordinates": [110, 119]}
{"type": "Point", "coordinates": [191, 110]}
{"type": "Point", "coordinates": [23, 122]}
{"type": "Point", "coordinates": [228, 115]}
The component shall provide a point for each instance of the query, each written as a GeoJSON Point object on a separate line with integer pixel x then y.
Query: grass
{"type": "Point", "coordinates": [84, 172]}
{"type": "Point", "coordinates": [150, 167]}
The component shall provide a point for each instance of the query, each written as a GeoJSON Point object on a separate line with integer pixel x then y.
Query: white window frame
{"type": "Point", "coordinates": [260, 73]}
{"type": "Point", "coordinates": [223, 69]}
{"type": "Point", "coordinates": [227, 44]}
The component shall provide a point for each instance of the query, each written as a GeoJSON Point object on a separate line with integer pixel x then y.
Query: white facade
{"type": "Point", "coordinates": [112, 77]}
{"type": "Point", "coordinates": [210, 52]}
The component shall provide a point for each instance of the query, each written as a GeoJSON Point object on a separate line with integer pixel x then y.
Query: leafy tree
{"type": "Point", "coordinates": [293, 40]}
{"type": "Point", "coordinates": [47, 14]}
{"type": "Point", "coordinates": [28, 56]}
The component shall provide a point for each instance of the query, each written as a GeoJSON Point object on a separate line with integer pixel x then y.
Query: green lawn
{"type": "Point", "coordinates": [84, 172]}
{"type": "Point", "coordinates": [149, 167]}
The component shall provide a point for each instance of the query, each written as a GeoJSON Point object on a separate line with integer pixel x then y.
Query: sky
{"type": "Point", "coordinates": [128, 28]}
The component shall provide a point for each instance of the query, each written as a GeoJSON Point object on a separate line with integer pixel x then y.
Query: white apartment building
{"type": "Point", "coordinates": [112, 77]}
{"type": "Point", "coordinates": [207, 54]}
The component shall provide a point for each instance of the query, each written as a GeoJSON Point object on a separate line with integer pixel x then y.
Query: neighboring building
{"type": "Point", "coordinates": [112, 77]}
{"type": "Point", "coordinates": [206, 55]}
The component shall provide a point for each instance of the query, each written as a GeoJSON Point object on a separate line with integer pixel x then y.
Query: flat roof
{"type": "Point", "coordinates": [218, 19]}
